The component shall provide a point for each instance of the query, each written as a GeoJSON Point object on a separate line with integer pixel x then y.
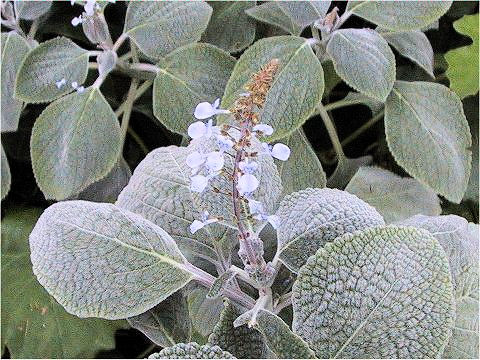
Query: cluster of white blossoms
{"type": "Point", "coordinates": [89, 7]}
{"type": "Point", "coordinates": [61, 83]}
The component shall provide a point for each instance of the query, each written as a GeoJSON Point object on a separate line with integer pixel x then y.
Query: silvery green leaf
{"type": "Point", "coordinates": [219, 283]}
{"type": "Point", "coordinates": [304, 13]}
{"type": "Point", "coordinates": [375, 106]}
{"type": "Point", "coordinates": [384, 292]}
{"type": "Point", "coordinates": [303, 169]}
{"type": "Point", "coordinates": [345, 170]}
{"type": "Point", "coordinates": [400, 15]}
{"type": "Point", "coordinates": [75, 142]}
{"type": "Point", "coordinates": [230, 28]}
{"type": "Point", "coordinates": [363, 60]}
{"type": "Point", "coordinates": [106, 62]}
{"type": "Point", "coordinates": [423, 115]}
{"type": "Point", "coordinates": [242, 342]}
{"type": "Point", "coordinates": [192, 351]}
{"type": "Point", "coordinates": [98, 260]}
{"type": "Point", "coordinates": [270, 13]}
{"type": "Point", "coordinates": [52, 61]}
{"type": "Point", "coordinates": [291, 98]}
{"type": "Point", "coordinates": [188, 76]}
{"type": "Point", "coordinates": [460, 240]}
{"type": "Point", "coordinates": [14, 50]}
{"type": "Point", "coordinates": [394, 197]}
{"type": "Point", "coordinates": [31, 10]}
{"type": "Point", "coordinates": [6, 179]}
{"type": "Point", "coordinates": [158, 27]}
{"type": "Point", "coordinates": [167, 323]}
{"type": "Point", "coordinates": [204, 312]}
{"type": "Point", "coordinates": [313, 217]}
{"type": "Point", "coordinates": [412, 44]}
{"type": "Point", "coordinates": [280, 339]}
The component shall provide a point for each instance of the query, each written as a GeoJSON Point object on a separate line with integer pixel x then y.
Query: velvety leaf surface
{"type": "Point", "coordinates": [400, 15]}
{"type": "Point", "coordinates": [312, 217]}
{"type": "Point", "coordinates": [51, 61]}
{"type": "Point", "coordinates": [75, 141]}
{"type": "Point", "coordinates": [6, 179]}
{"type": "Point", "coordinates": [192, 351]}
{"type": "Point", "coordinates": [384, 292]}
{"type": "Point", "coordinates": [230, 28]}
{"type": "Point", "coordinates": [34, 325]}
{"type": "Point", "coordinates": [280, 339]}
{"type": "Point", "coordinates": [375, 106]}
{"type": "Point", "coordinates": [219, 284]}
{"type": "Point", "coordinates": [31, 10]}
{"type": "Point", "coordinates": [291, 98]}
{"type": "Point", "coordinates": [394, 197]}
{"type": "Point", "coordinates": [271, 13]}
{"type": "Point", "coordinates": [422, 115]}
{"type": "Point", "coordinates": [345, 170]}
{"type": "Point", "coordinates": [188, 76]}
{"type": "Point", "coordinates": [364, 61]}
{"type": "Point", "coordinates": [204, 312]}
{"type": "Point", "coordinates": [158, 27]}
{"type": "Point", "coordinates": [463, 62]}
{"type": "Point", "coordinates": [14, 50]}
{"type": "Point", "coordinates": [103, 261]}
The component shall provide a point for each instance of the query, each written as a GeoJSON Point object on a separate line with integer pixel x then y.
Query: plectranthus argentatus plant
{"type": "Point", "coordinates": [231, 244]}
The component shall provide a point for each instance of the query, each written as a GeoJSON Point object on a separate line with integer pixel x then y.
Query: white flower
{"type": "Point", "coordinates": [80, 89]}
{"type": "Point", "coordinates": [197, 224]}
{"type": "Point", "coordinates": [256, 209]}
{"type": "Point", "coordinates": [278, 151]}
{"type": "Point", "coordinates": [248, 167]}
{"type": "Point", "coordinates": [60, 83]}
{"type": "Point", "coordinates": [199, 129]}
{"type": "Point", "coordinates": [247, 183]}
{"type": "Point", "coordinates": [72, 2]}
{"type": "Point", "coordinates": [195, 159]}
{"type": "Point", "coordinates": [263, 128]}
{"type": "Point", "coordinates": [198, 183]}
{"type": "Point", "coordinates": [77, 20]}
{"type": "Point", "coordinates": [204, 110]}
{"type": "Point", "coordinates": [74, 84]}
{"type": "Point", "coordinates": [215, 161]}
{"type": "Point", "coordinates": [224, 143]}
{"type": "Point", "coordinates": [89, 7]}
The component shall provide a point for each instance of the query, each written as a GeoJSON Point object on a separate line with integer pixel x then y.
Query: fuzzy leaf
{"type": "Point", "coordinates": [460, 240]}
{"type": "Point", "coordinates": [375, 106]}
{"type": "Point", "coordinates": [6, 179]}
{"type": "Point", "coordinates": [270, 13]}
{"type": "Point", "coordinates": [400, 15]}
{"type": "Point", "coordinates": [412, 44]}
{"type": "Point", "coordinates": [280, 339]}
{"type": "Point", "coordinates": [422, 115]}
{"type": "Point", "coordinates": [291, 98]}
{"type": "Point", "coordinates": [157, 28]}
{"type": "Point", "coordinates": [166, 323]}
{"type": "Point", "coordinates": [192, 351]}
{"type": "Point", "coordinates": [384, 292]}
{"type": "Point", "coordinates": [204, 312]}
{"type": "Point", "coordinates": [75, 142]}
{"type": "Point", "coordinates": [31, 10]}
{"type": "Point", "coordinates": [34, 325]}
{"type": "Point", "coordinates": [303, 169]}
{"type": "Point", "coordinates": [102, 261]}
{"type": "Point", "coordinates": [219, 283]}
{"type": "Point", "coordinates": [51, 61]}
{"type": "Point", "coordinates": [463, 62]}
{"type": "Point", "coordinates": [345, 170]}
{"type": "Point", "coordinates": [188, 76]}
{"type": "Point", "coordinates": [230, 28]}
{"type": "Point", "coordinates": [394, 197]}
{"type": "Point", "coordinates": [312, 217]}
{"type": "Point", "coordinates": [14, 50]}
{"type": "Point", "coordinates": [364, 61]}
{"type": "Point", "coordinates": [242, 342]}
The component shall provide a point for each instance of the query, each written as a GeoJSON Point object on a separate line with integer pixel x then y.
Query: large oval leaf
{"type": "Point", "coordinates": [384, 292]}
{"type": "Point", "coordinates": [291, 98]}
{"type": "Point", "coordinates": [188, 76]}
{"type": "Point", "coordinates": [364, 61]}
{"type": "Point", "coordinates": [51, 61]}
{"type": "Point", "coordinates": [31, 10]}
{"type": "Point", "coordinates": [158, 27]}
{"type": "Point", "coordinates": [428, 116]}
{"type": "Point", "coordinates": [312, 217]}
{"type": "Point", "coordinates": [400, 15]}
{"type": "Point", "coordinates": [102, 261]}
{"type": "Point", "coordinates": [75, 142]}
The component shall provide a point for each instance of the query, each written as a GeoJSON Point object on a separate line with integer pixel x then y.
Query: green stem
{"type": "Point", "coordinates": [128, 108]}
{"type": "Point", "coordinates": [138, 140]}
{"type": "Point", "coordinates": [140, 91]}
{"type": "Point", "coordinates": [362, 128]}
{"type": "Point", "coordinates": [332, 132]}
{"type": "Point", "coordinates": [342, 103]}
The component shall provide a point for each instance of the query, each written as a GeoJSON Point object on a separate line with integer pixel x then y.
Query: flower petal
{"type": "Point", "coordinates": [199, 183]}
{"type": "Point", "coordinates": [215, 161]}
{"type": "Point", "coordinates": [216, 103]}
{"type": "Point", "coordinates": [195, 226]}
{"type": "Point", "coordinates": [248, 167]}
{"type": "Point", "coordinates": [224, 143]}
{"type": "Point", "coordinates": [281, 151]}
{"type": "Point", "coordinates": [247, 183]}
{"type": "Point", "coordinates": [195, 159]}
{"type": "Point", "coordinates": [77, 20]}
{"type": "Point", "coordinates": [255, 207]}
{"type": "Point", "coordinates": [263, 128]}
{"type": "Point", "coordinates": [197, 130]}
{"type": "Point", "coordinates": [204, 110]}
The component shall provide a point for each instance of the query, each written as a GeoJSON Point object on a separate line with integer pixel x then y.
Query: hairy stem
{"type": "Point", "coordinates": [332, 132]}
{"type": "Point", "coordinates": [342, 103]}
{"type": "Point", "coordinates": [140, 91]}
{"type": "Point", "coordinates": [121, 39]}
{"type": "Point", "coordinates": [128, 108]}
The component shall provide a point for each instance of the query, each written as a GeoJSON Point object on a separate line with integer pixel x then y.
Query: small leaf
{"type": "Point", "coordinates": [167, 323]}
{"type": "Point", "coordinates": [102, 261]}
{"type": "Point", "coordinates": [384, 292]}
{"type": "Point", "coordinates": [364, 61]}
{"type": "Point", "coordinates": [192, 351]}
{"type": "Point", "coordinates": [412, 44]}
{"type": "Point", "coordinates": [463, 62]}
{"type": "Point", "coordinates": [188, 76]}
{"type": "Point", "coordinates": [204, 312]}
{"type": "Point", "coordinates": [230, 28]}
{"type": "Point", "coordinates": [422, 115]}
{"type": "Point", "coordinates": [31, 10]}
{"type": "Point", "coordinates": [394, 197]}
{"type": "Point", "coordinates": [75, 142]}
{"type": "Point", "coordinates": [303, 169]}
{"type": "Point", "coordinates": [241, 341]}
{"type": "Point", "coordinates": [219, 283]}
{"type": "Point", "coordinates": [14, 50]}
{"type": "Point", "coordinates": [291, 98]}
{"type": "Point", "coordinates": [157, 28]}
{"type": "Point", "coordinates": [280, 339]}
{"type": "Point", "coordinates": [6, 179]}
{"type": "Point", "coordinates": [400, 15]}
{"type": "Point", "coordinates": [51, 61]}
{"type": "Point", "coordinates": [312, 217]}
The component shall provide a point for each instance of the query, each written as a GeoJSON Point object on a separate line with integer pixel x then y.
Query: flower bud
{"type": "Point", "coordinates": [106, 62]}
{"type": "Point", "coordinates": [96, 29]}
